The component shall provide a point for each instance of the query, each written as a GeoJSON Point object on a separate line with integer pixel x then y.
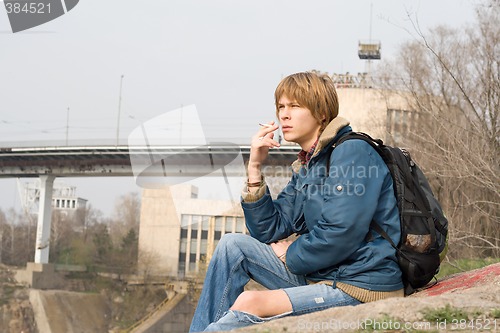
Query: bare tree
{"type": "Point", "coordinates": [451, 79]}
{"type": "Point", "coordinates": [90, 217]}
{"type": "Point", "coordinates": [147, 260]}
{"type": "Point", "coordinates": [61, 235]}
{"type": "Point", "coordinates": [14, 236]}
{"type": "Point", "coordinates": [126, 216]}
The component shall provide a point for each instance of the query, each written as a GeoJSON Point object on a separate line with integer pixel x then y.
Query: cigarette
{"type": "Point", "coordinates": [265, 125]}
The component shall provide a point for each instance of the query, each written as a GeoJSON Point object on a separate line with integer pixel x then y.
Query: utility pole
{"type": "Point", "coordinates": [119, 111]}
{"type": "Point", "coordinates": [369, 61]}
{"type": "Point", "coordinates": [67, 125]}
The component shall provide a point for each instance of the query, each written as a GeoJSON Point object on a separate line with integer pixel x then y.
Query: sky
{"type": "Point", "coordinates": [98, 72]}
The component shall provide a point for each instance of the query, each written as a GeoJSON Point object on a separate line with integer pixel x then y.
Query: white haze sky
{"type": "Point", "coordinates": [226, 57]}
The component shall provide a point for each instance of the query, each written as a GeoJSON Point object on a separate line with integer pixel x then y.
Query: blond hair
{"type": "Point", "coordinates": [314, 91]}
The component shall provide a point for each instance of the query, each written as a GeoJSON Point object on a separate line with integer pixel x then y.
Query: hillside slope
{"type": "Point", "coordinates": [463, 302]}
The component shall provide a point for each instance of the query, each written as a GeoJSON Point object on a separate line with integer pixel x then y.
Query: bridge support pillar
{"type": "Point", "coordinates": [44, 220]}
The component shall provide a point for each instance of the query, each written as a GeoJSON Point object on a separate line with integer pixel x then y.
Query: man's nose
{"type": "Point", "coordinates": [284, 113]}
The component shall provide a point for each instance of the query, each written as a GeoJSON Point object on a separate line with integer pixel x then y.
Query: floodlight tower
{"type": "Point", "coordinates": [369, 50]}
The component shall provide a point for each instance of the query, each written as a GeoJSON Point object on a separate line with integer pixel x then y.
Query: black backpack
{"type": "Point", "coordinates": [424, 228]}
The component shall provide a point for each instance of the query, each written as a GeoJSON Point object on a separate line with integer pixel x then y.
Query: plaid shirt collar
{"type": "Point", "coordinates": [304, 156]}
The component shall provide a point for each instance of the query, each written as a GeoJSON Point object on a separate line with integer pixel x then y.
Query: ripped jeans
{"type": "Point", "coordinates": [238, 258]}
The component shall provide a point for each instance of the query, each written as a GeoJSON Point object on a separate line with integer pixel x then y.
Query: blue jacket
{"type": "Point", "coordinates": [332, 215]}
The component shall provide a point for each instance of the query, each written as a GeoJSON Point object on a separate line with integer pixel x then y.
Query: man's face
{"type": "Point", "coordinates": [297, 123]}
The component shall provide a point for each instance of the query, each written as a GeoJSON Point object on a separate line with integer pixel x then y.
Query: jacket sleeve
{"type": "Point", "coordinates": [351, 195]}
{"type": "Point", "coordinates": [269, 221]}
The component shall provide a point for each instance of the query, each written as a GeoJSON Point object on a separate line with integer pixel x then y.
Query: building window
{"type": "Point", "coordinates": [205, 222]}
{"type": "Point", "coordinates": [203, 247]}
{"type": "Point", "coordinates": [184, 233]}
{"type": "Point", "coordinates": [193, 246]}
{"type": "Point", "coordinates": [185, 220]}
{"type": "Point", "coordinates": [183, 244]}
{"type": "Point", "coordinates": [183, 247]}
{"type": "Point", "coordinates": [195, 221]}
{"type": "Point", "coordinates": [229, 224]}
{"type": "Point", "coordinates": [199, 235]}
{"type": "Point", "coordinates": [204, 234]}
{"type": "Point", "coordinates": [399, 125]}
{"type": "Point", "coordinates": [194, 234]}
{"type": "Point", "coordinates": [218, 223]}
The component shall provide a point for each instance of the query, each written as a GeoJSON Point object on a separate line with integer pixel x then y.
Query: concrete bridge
{"type": "Point", "coordinates": [149, 165]}
{"type": "Point", "coordinates": [108, 161]}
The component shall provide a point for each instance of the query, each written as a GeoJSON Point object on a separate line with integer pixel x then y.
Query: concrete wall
{"type": "Point", "coordinates": [366, 109]}
{"type": "Point", "coordinates": [40, 276]}
{"type": "Point", "coordinates": [69, 312]}
{"type": "Point", "coordinates": [158, 233]}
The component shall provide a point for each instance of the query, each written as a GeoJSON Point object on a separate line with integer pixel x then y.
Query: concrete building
{"type": "Point", "coordinates": [380, 113]}
{"type": "Point", "coordinates": [178, 231]}
{"type": "Point", "coordinates": [64, 197]}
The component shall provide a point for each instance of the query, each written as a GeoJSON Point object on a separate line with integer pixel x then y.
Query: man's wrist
{"type": "Point", "coordinates": [253, 165]}
{"type": "Point", "coordinates": [255, 183]}
{"type": "Point", "coordinates": [254, 173]}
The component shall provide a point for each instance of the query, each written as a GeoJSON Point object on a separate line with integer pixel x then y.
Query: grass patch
{"type": "Point", "coordinates": [446, 314]}
{"type": "Point", "coordinates": [464, 265]}
{"type": "Point", "coordinates": [459, 319]}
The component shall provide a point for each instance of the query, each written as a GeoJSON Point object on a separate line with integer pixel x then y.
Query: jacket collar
{"type": "Point", "coordinates": [335, 129]}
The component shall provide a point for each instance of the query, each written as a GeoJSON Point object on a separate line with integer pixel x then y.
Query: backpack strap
{"type": "Point", "coordinates": [403, 158]}
{"type": "Point", "coordinates": [375, 226]}
{"type": "Point", "coordinates": [377, 144]}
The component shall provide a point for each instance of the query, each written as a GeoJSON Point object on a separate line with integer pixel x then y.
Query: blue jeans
{"type": "Point", "coordinates": [239, 258]}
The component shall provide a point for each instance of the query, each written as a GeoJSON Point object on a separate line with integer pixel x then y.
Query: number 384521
{"type": "Point", "coordinates": [27, 7]}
